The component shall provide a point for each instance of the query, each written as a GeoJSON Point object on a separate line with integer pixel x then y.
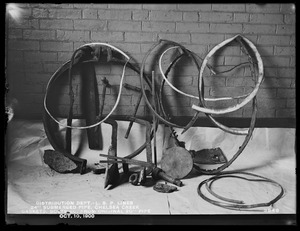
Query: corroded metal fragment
{"type": "Point", "coordinates": [177, 162]}
{"type": "Point", "coordinates": [58, 162]}
{"type": "Point", "coordinates": [164, 188]}
{"type": "Point", "coordinates": [209, 156]}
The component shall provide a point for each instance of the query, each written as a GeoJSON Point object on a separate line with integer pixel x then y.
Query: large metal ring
{"type": "Point", "coordinates": [251, 95]}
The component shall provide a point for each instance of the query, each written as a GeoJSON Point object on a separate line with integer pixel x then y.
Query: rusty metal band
{"type": "Point", "coordinates": [259, 80]}
{"type": "Point", "coordinates": [241, 148]}
{"type": "Point", "coordinates": [201, 101]}
{"type": "Point", "coordinates": [189, 95]}
{"type": "Point", "coordinates": [251, 95]}
{"type": "Point", "coordinates": [94, 46]}
{"type": "Point", "coordinates": [159, 116]}
{"type": "Point", "coordinates": [71, 95]}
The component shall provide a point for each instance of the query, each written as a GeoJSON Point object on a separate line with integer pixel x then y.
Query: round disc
{"type": "Point", "coordinates": [177, 162]}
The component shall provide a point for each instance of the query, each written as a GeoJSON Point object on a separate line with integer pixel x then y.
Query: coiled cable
{"type": "Point", "coordinates": [233, 204]}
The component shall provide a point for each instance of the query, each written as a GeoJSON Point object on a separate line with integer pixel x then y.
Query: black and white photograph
{"type": "Point", "coordinates": [150, 113]}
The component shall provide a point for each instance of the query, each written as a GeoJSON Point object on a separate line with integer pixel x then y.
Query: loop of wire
{"type": "Point", "coordinates": [233, 204]}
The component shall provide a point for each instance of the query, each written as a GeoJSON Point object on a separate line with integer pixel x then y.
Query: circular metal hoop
{"type": "Point", "coordinates": [70, 63]}
{"type": "Point", "coordinates": [250, 96]}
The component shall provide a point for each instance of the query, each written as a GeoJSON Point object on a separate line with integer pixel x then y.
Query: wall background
{"type": "Point", "coordinates": [47, 35]}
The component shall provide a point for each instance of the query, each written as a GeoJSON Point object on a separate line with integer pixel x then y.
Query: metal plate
{"type": "Point", "coordinates": [177, 162]}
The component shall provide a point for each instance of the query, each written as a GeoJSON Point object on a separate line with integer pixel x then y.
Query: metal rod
{"type": "Point", "coordinates": [154, 119]}
{"type": "Point", "coordinates": [129, 161]}
{"type": "Point", "coordinates": [70, 114]}
{"type": "Point", "coordinates": [105, 85]}
{"type": "Point", "coordinates": [134, 114]}
{"type": "Point", "coordinates": [126, 85]}
{"type": "Point", "coordinates": [112, 173]}
{"type": "Point", "coordinates": [112, 161]}
{"type": "Point", "coordinates": [158, 173]}
{"type": "Point", "coordinates": [147, 144]}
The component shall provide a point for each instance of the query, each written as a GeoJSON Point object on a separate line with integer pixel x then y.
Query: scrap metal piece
{"type": "Point", "coordinates": [133, 179]}
{"type": "Point", "coordinates": [142, 176]}
{"type": "Point", "coordinates": [99, 116]}
{"type": "Point", "coordinates": [51, 131]}
{"type": "Point", "coordinates": [209, 156]}
{"type": "Point", "coordinates": [98, 169]}
{"type": "Point", "coordinates": [164, 188]}
{"type": "Point", "coordinates": [58, 162]}
{"type": "Point", "coordinates": [117, 159]}
{"type": "Point", "coordinates": [159, 174]}
{"type": "Point", "coordinates": [90, 104]}
{"type": "Point", "coordinates": [112, 172]}
{"type": "Point", "coordinates": [105, 85]}
{"type": "Point", "coordinates": [154, 120]}
{"type": "Point", "coordinates": [171, 140]}
{"type": "Point", "coordinates": [128, 86]}
{"type": "Point", "coordinates": [146, 145]}
{"type": "Point", "coordinates": [241, 148]}
{"type": "Point", "coordinates": [177, 162]}
{"type": "Point", "coordinates": [138, 178]}
{"type": "Point", "coordinates": [83, 52]}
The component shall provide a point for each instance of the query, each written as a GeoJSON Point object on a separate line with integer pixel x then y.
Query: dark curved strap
{"type": "Point", "coordinates": [241, 148]}
{"type": "Point", "coordinates": [51, 130]}
{"type": "Point", "coordinates": [90, 106]}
